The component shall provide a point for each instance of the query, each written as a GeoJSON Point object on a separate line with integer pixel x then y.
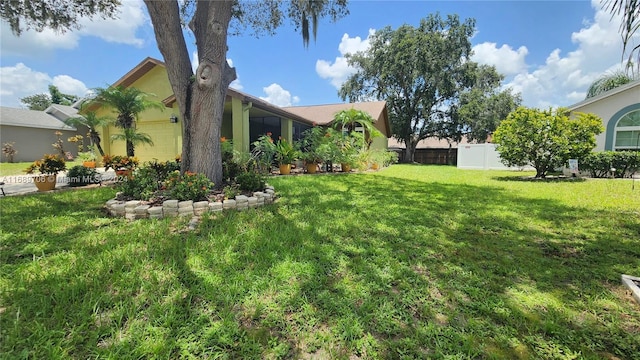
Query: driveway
{"type": "Point", "coordinates": [23, 184]}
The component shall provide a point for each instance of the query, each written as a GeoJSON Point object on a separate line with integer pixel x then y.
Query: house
{"type": "Point", "coordinates": [619, 109]}
{"type": "Point", "coordinates": [245, 117]}
{"type": "Point", "coordinates": [32, 132]}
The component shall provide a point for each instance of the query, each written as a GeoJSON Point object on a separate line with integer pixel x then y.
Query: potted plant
{"type": "Point", "coordinates": [47, 167]}
{"type": "Point", "coordinates": [285, 153]}
{"type": "Point", "coordinates": [123, 165]}
{"type": "Point", "coordinates": [310, 144]}
{"type": "Point", "coordinates": [88, 159]}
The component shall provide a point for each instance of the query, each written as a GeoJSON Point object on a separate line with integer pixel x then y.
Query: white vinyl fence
{"type": "Point", "coordinates": [481, 157]}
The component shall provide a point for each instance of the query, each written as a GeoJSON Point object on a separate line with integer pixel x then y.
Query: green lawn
{"type": "Point", "coordinates": [7, 169]}
{"type": "Point", "coordinates": [409, 262]}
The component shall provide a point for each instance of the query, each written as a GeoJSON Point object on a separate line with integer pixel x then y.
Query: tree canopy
{"type": "Point", "coordinates": [421, 72]}
{"type": "Point", "coordinates": [545, 139]}
{"type": "Point", "coordinates": [608, 82]}
{"type": "Point", "coordinates": [43, 101]}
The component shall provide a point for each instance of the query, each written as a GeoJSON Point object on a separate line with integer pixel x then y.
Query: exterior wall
{"type": "Point", "coordinates": [611, 109]}
{"type": "Point", "coordinates": [33, 143]}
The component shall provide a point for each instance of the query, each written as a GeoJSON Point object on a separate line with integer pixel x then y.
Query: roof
{"type": "Point", "coordinates": [320, 114]}
{"type": "Point", "coordinates": [31, 118]}
{"type": "Point", "coordinates": [324, 114]}
{"type": "Point", "coordinates": [61, 112]}
{"type": "Point", "coordinates": [605, 95]}
{"type": "Point", "coordinates": [428, 143]}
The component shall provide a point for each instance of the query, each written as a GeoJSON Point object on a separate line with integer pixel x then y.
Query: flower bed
{"type": "Point", "coordinates": [137, 209]}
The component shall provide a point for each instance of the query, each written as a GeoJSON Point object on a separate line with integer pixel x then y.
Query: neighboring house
{"type": "Point", "coordinates": [33, 132]}
{"type": "Point", "coordinates": [619, 109]}
{"type": "Point", "coordinates": [245, 117]}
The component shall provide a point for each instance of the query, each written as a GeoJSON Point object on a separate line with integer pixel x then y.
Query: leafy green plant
{"type": "Point", "coordinates": [50, 164]}
{"type": "Point", "coordinates": [310, 144]}
{"type": "Point", "coordinates": [188, 186]}
{"type": "Point", "coordinates": [81, 176]}
{"type": "Point", "coordinates": [119, 162]}
{"type": "Point", "coordinates": [600, 164]}
{"type": "Point", "coordinates": [251, 181]}
{"type": "Point", "coordinates": [264, 151]}
{"type": "Point", "coordinates": [231, 191]}
{"type": "Point", "coordinates": [285, 152]}
{"type": "Point", "coordinates": [142, 186]}
{"type": "Point", "coordinates": [163, 168]}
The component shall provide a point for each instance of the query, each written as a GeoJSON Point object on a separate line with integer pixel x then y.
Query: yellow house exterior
{"type": "Point", "coordinates": [245, 117]}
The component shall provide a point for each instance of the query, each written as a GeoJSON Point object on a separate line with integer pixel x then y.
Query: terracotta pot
{"type": "Point", "coordinates": [89, 164]}
{"type": "Point", "coordinates": [285, 169]}
{"type": "Point", "coordinates": [122, 173]}
{"type": "Point", "coordinates": [345, 167]}
{"type": "Point", "coordinates": [45, 182]}
{"type": "Point", "coordinates": [374, 166]}
{"type": "Point", "coordinates": [312, 168]}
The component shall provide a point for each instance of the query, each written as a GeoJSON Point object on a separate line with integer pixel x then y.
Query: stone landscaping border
{"type": "Point", "coordinates": [633, 284]}
{"type": "Point", "coordinates": [137, 209]}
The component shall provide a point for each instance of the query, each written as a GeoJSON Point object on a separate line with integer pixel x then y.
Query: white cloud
{"type": "Point", "coordinates": [19, 81]}
{"type": "Point", "coordinates": [339, 71]}
{"type": "Point", "coordinates": [279, 96]}
{"type": "Point", "coordinates": [564, 78]}
{"type": "Point", "coordinates": [121, 30]}
{"type": "Point", "coordinates": [506, 60]}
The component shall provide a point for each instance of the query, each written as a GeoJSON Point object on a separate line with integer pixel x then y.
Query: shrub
{"type": "Point", "coordinates": [143, 185]}
{"type": "Point", "coordinates": [163, 168]}
{"type": "Point", "coordinates": [81, 176]}
{"type": "Point", "coordinates": [189, 186]}
{"type": "Point", "coordinates": [599, 164]}
{"type": "Point", "coordinates": [230, 191]}
{"type": "Point", "coordinates": [251, 181]}
{"type": "Point", "coordinates": [49, 164]}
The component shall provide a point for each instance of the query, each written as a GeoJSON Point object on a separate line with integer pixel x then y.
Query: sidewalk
{"type": "Point", "coordinates": [23, 183]}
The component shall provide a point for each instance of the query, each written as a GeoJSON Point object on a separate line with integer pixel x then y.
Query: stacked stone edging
{"type": "Point", "coordinates": [136, 209]}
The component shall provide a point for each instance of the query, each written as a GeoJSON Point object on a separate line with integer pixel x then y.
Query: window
{"type": "Point", "coordinates": [298, 129]}
{"type": "Point", "coordinates": [259, 126]}
{"type": "Point", "coordinates": [627, 136]}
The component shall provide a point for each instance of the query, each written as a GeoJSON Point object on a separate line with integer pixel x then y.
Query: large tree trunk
{"type": "Point", "coordinates": [410, 145]}
{"type": "Point", "coordinates": [201, 103]}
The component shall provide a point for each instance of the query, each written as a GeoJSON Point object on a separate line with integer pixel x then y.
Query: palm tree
{"type": "Point", "coordinates": [92, 121]}
{"type": "Point", "coordinates": [630, 11]}
{"type": "Point", "coordinates": [128, 103]}
{"type": "Point", "coordinates": [350, 119]}
{"type": "Point", "coordinates": [608, 82]}
{"type": "Point", "coordinates": [132, 136]}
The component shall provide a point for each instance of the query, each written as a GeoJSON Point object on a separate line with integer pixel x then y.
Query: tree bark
{"type": "Point", "coordinates": [201, 102]}
{"type": "Point", "coordinates": [410, 151]}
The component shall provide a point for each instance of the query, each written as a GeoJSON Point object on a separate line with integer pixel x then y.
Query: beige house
{"type": "Point", "coordinates": [33, 132]}
{"type": "Point", "coordinates": [620, 112]}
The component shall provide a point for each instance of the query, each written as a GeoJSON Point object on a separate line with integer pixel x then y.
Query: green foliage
{"type": "Point", "coordinates": [418, 71]}
{"type": "Point", "coordinates": [163, 168]}
{"type": "Point", "coordinates": [119, 162]}
{"type": "Point", "coordinates": [188, 186]}
{"type": "Point", "coordinates": [37, 102]}
{"type": "Point", "coordinates": [81, 176]}
{"type": "Point", "coordinates": [349, 120]}
{"type": "Point", "coordinates": [50, 164]}
{"type": "Point", "coordinates": [92, 121]}
{"type": "Point", "coordinates": [310, 144]}
{"type": "Point", "coordinates": [608, 82]}
{"type": "Point", "coordinates": [285, 152]}
{"type": "Point", "coordinates": [545, 139]}
{"type": "Point", "coordinates": [231, 191]}
{"type": "Point", "coordinates": [264, 152]}
{"type": "Point", "coordinates": [143, 185]}
{"type": "Point", "coordinates": [599, 164]}
{"type": "Point", "coordinates": [251, 181]}
{"type": "Point", "coordinates": [481, 107]}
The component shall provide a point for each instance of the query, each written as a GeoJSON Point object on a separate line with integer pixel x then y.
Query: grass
{"type": "Point", "coordinates": [7, 169]}
{"type": "Point", "coordinates": [409, 262]}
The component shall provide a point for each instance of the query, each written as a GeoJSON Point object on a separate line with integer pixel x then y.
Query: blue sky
{"type": "Point", "coordinates": [550, 51]}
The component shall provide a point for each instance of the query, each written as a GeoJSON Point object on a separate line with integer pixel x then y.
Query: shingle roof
{"type": "Point", "coordinates": [324, 114]}
{"type": "Point", "coordinates": [30, 118]}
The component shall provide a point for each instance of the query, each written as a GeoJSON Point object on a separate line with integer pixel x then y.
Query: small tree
{"type": "Point", "coordinates": [92, 121]}
{"type": "Point", "coordinates": [545, 139]}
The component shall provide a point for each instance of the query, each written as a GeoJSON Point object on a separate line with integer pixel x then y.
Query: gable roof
{"type": "Point", "coordinates": [31, 118]}
{"type": "Point", "coordinates": [324, 114]}
{"type": "Point", "coordinates": [605, 95]}
{"type": "Point", "coordinates": [61, 112]}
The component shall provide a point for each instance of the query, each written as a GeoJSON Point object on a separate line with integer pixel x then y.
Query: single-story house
{"type": "Point", "coordinates": [245, 117]}
{"type": "Point", "coordinates": [619, 109]}
{"type": "Point", "coordinates": [32, 132]}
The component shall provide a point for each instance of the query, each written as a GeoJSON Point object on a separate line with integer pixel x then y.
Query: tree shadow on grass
{"type": "Point", "coordinates": [346, 266]}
